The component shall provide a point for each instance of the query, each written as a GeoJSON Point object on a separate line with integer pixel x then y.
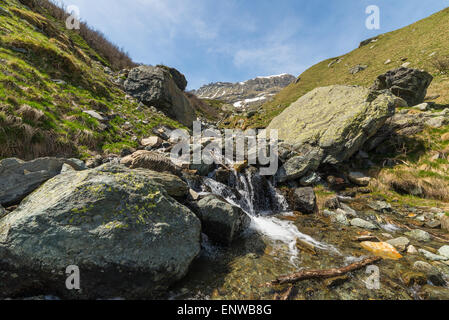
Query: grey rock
{"type": "Point", "coordinates": [357, 222]}
{"type": "Point", "coordinates": [304, 200]}
{"type": "Point", "coordinates": [94, 114]}
{"type": "Point", "coordinates": [359, 179]}
{"type": "Point", "coordinates": [348, 210]}
{"type": "Point", "coordinates": [437, 122]}
{"type": "Point", "coordinates": [422, 107]}
{"type": "Point", "coordinates": [419, 235]}
{"type": "Point", "coordinates": [444, 251]}
{"type": "Point", "coordinates": [128, 237]}
{"type": "Point", "coordinates": [221, 222]}
{"type": "Point", "coordinates": [310, 179]}
{"type": "Point", "coordinates": [424, 267]}
{"type": "Point", "coordinates": [341, 218]}
{"type": "Point", "coordinates": [19, 178]}
{"type": "Point", "coordinates": [357, 69]}
{"type": "Point", "coordinates": [409, 84]}
{"type": "Point", "coordinates": [380, 206]}
{"type": "Point", "coordinates": [154, 86]}
{"type": "Point", "coordinates": [336, 120]}
{"type": "Point", "coordinates": [332, 203]}
{"type": "Point", "coordinates": [400, 243]}
{"type": "Point", "coordinates": [307, 159]}
{"type": "Point", "coordinates": [431, 256]}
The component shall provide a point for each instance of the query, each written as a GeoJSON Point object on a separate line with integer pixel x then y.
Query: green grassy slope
{"type": "Point", "coordinates": [416, 42]}
{"type": "Point", "coordinates": [41, 117]}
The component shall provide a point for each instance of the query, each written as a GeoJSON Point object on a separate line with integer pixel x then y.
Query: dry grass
{"type": "Point", "coordinates": [441, 64]}
{"type": "Point", "coordinates": [412, 181]}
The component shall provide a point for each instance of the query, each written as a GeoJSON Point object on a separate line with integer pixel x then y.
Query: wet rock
{"type": "Point", "coordinates": [150, 160]}
{"type": "Point", "coordinates": [128, 237]}
{"type": "Point", "coordinates": [151, 142]}
{"type": "Point", "coordinates": [431, 256]}
{"type": "Point", "coordinates": [411, 278]}
{"type": "Point", "coordinates": [357, 222]}
{"type": "Point", "coordinates": [348, 116]}
{"type": "Point", "coordinates": [444, 251]}
{"type": "Point", "coordinates": [424, 267]}
{"type": "Point", "coordinates": [419, 235]}
{"type": "Point", "coordinates": [400, 243]}
{"type": "Point", "coordinates": [221, 221]}
{"type": "Point", "coordinates": [19, 178]}
{"type": "Point", "coordinates": [382, 249]}
{"type": "Point", "coordinates": [303, 200]}
{"type": "Point", "coordinates": [380, 206]}
{"type": "Point", "coordinates": [408, 84]}
{"type": "Point", "coordinates": [433, 224]}
{"type": "Point", "coordinates": [223, 175]}
{"type": "Point", "coordinates": [359, 179]}
{"type": "Point", "coordinates": [203, 169]}
{"type": "Point", "coordinates": [429, 292]}
{"type": "Point", "coordinates": [336, 281]}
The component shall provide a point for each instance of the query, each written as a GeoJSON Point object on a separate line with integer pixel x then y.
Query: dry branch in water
{"type": "Point", "coordinates": [323, 274]}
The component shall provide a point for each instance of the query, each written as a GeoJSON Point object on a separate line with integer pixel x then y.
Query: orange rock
{"type": "Point", "coordinates": [382, 249]}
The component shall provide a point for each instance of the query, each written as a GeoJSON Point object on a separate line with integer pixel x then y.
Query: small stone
{"type": "Point", "coordinates": [151, 142]}
{"type": "Point", "coordinates": [422, 107]}
{"type": "Point", "coordinates": [328, 213]}
{"type": "Point", "coordinates": [406, 65]}
{"type": "Point", "coordinates": [380, 206]}
{"type": "Point", "coordinates": [310, 179]}
{"type": "Point", "coordinates": [94, 114]}
{"type": "Point", "coordinates": [359, 179]}
{"type": "Point", "coordinates": [382, 249]}
{"type": "Point", "coordinates": [434, 224]}
{"type": "Point", "coordinates": [444, 251]}
{"type": "Point", "coordinates": [388, 61]}
{"type": "Point", "coordinates": [66, 168]}
{"type": "Point", "coordinates": [432, 257]}
{"type": "Point", "coordinates": [400, 243]}
{"type": "Point", "coordinates": [357, 222]}
{"type": "Point", "coordinates": [341, 219]}
{"type": "Point", "coordinates": [348, 210]}
{"type": "Point", "coordinates": [412, 250]}
{"type": "Point", "coordinates": [419, 235]}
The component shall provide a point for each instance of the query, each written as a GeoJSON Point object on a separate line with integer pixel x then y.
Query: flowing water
{"type": "Point", "coordinates": [266, 250]}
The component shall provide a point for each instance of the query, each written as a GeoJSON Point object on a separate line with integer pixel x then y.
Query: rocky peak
{"type": "Point", "coordinates": [240, 94]}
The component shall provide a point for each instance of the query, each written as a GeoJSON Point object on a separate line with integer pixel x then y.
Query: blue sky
{"type": "Point", "coordinates": [236, 40]}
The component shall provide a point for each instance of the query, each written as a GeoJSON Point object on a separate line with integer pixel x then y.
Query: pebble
{"type": "Point", "coordinates": [382, 249]}
{"type": "Point", "coordinates": [419, 235]}
{"type": "Point", "coordinates": [412, 250]}
{"type": "Point", "coordinates": [444, 251]}
{"type": "Point", "coordinates": [357, 222]}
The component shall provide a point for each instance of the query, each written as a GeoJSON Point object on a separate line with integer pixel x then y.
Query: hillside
{"type": "Point", "coordinates": [423, 44]}
{"type": "Point", "coordinates": [50, 76]}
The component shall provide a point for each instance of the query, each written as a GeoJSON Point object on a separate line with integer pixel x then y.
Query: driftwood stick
{"type": "Point", "coordinates": [323, 274]}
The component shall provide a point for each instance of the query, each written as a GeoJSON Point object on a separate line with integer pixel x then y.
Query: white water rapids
{"type": "Point", "coordinates": [264, 222]}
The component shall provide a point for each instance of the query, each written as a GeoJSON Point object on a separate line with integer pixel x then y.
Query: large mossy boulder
{"type": "Point", "coordinates": [128, 237]}
{"type": "Point", "coordinates": [155, 86]}
{"type": "Point", "coordinates": [334, 121]}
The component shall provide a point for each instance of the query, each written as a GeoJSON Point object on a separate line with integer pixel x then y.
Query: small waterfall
{"type": "Point", "coordinates": [258, 198]}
